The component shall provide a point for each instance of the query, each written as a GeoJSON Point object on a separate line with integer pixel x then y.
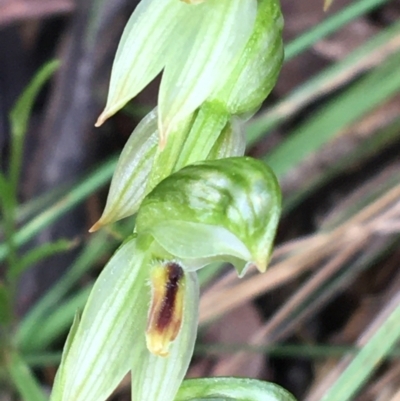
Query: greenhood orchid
{"type": "Point", "coordinates": [195, 203]}
{"type": "Point", "coordinates": [212, 131]}
{"type": "Point", "coordinates": [196, 46]}
{"type": "Point", "coordinates": [142, 314]}
{"type": "Point", "coordinates": [141, 166]}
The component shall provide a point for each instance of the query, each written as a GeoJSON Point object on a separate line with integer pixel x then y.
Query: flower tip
{"type": "Point", "coordinates": [96, 226]}
{"type": "Point", "coordinates": [261, 265]}
{"type": "Point", "coordinates": [327, 5]}
{"type": "Point", "coordinates": [102, 118]}
{"type": "Point", "coordinates": [156, 345]}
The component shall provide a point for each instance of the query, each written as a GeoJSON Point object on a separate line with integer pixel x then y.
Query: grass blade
{"type": "Point", "coordinates": [330, 25]}
{"type": "Point", "coordinates": [366, 56]}
{"type": "Point", "coordinates": [370, 356]}
{"type": "Point", "coordinates": [86, 187]}
{"type": "Point", "coordinates": [345, 109]}
{"type": "Point", "coordinates": [23, 379]}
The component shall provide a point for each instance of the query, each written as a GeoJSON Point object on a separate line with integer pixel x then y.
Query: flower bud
{"type": "Point", "coordinates": [225, 210]}
{"type": "Point", "coordinates": [256, 72]}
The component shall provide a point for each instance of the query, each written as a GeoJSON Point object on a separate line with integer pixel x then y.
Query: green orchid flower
{"type": "Point", "coordinates": [196, 46]}
{"type": "Point", "coordinates": [141, 164]}
{"type": "Point", "coordinates": [209, 127]}
{"type": "Point", "coordinates": [142, 314]}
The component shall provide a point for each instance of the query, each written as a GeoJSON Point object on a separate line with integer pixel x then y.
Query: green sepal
{"type": "Point", "coordinates": [128, 185]}
{"type": "Point", "coordinates": [99, 351]}
{"type": "Point", "coordinates": [257, 70]}
{"type": "Point", "coordinates": [237, 195]}
{"type": "Point", "coordinates": [59, 381]}
{"type": "Point", "coordinates": [214, 35]}
{"type": "Point", "coordinates": [231, 389]}
{"type": "Point", "coordinates": [196, 45]}
{"type": "Point", "coordinates": [147, 36]}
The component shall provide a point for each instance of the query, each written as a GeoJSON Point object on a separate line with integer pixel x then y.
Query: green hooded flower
{"type": "Point", "coordinates": [142, 314]}
{"type": "Point", "coordinates": [195, 45]}
{"type": "Point", "coordinates": [141, 159]}
{"type": "Point", "coordinates": [231, 90]}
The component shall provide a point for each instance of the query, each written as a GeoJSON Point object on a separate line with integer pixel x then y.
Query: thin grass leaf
{"type": "Point", "coordinates": [335, 115]}
{"type": "Point", "coordinates": [330, 79]}
{"type": "Point", "coordinates": [19, 117]}
{"type": "Point", "coordinates": [25, 382]}
{"type": "Point", "coordinates": [7, 204]}
{"type": "Point", "coordinates": [42, 252]}
{"type": "Point", "coordinates": [378, 188]}
{"type": "Point", "coordinates": [36, 205]}
{"type": "Point", "coordinates": [5, 306]}
{"type": "Point", "coordinates": [369, 358]}
{"type": "Point", "coordinates": [309, 351]}
{"type": "Point", "coordinates": [330, 25]}
{"type": "Point", "coordinates": [287, 350]}
{"type": "Point", "coordinates": [33, 320]}
{"type": "Point", "coordinates": [82, 190]}
{"type": "Point", "coordinates": [59, 321]}
{"type": "Point", "coordinates": [368, 148]}
{"type": "Point", "coordinates": [20, 114]}
{"type": "Point", "coordinates": [43, 359]}
{"type": "Point", "coordinates": [3, 186]}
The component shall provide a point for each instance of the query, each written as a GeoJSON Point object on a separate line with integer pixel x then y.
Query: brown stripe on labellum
{"type": "Point", "coordinates": [166, 310]}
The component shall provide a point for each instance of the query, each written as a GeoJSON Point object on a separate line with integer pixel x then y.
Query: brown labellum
{"type": "Point", "coordinates": [166, 311]}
